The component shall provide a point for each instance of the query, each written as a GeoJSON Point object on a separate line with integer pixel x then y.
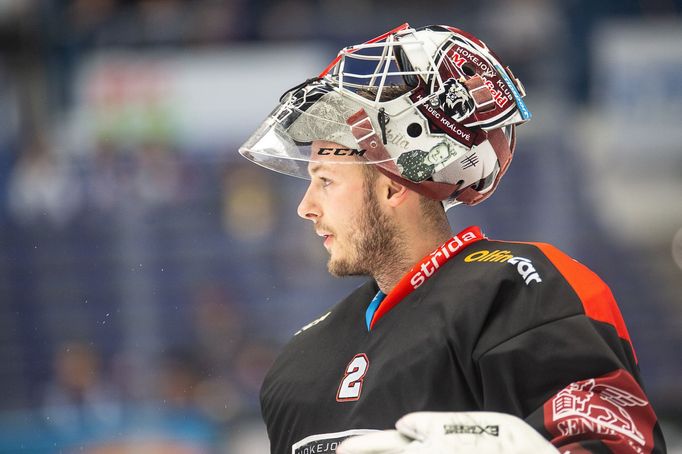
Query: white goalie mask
{"type": "Point", "coordinates": [432, 108]}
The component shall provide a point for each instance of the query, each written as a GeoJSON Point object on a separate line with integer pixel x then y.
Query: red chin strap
{"type": "Point", "coordinates": [371, 142]}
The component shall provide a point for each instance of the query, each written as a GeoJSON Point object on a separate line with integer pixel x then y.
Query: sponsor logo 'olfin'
{"type": "Point", "coordinates": [523, 265]}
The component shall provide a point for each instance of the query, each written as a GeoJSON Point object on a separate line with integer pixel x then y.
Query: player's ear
{"type": "Point", "coordinates": [395, 193]}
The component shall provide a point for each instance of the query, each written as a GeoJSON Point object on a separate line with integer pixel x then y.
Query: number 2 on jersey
{"type": "Point", "coordinates": [351, 383]}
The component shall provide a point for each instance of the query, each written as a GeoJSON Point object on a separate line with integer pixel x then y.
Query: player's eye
{"type": "Point", "coordinates": [325, 181]}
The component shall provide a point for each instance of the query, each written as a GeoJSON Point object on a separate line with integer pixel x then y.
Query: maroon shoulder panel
{"type": "Point", "coordinates": [612, 409]}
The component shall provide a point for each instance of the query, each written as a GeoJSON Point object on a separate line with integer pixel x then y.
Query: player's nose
{"type": "Point", "coordinates": [308, 208]}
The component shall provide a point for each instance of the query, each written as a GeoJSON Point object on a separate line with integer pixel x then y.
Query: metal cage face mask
{"type": "Point", "coordinates": [429, 107]}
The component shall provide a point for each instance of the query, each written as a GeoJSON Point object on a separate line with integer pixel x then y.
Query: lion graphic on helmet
{"type": "Point", "coordinates": [456, 101]}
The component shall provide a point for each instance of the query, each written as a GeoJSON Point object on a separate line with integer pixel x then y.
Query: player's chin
{"type": "Point", "coordinates": [341, 267]}
{"type": "Point", "coordinates": [334, 267]}
{"type": "Point", "coordinates": [337, 265]}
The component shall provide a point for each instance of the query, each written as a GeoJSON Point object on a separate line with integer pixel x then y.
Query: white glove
{"type": "Point", "coordinates": [452, 433]}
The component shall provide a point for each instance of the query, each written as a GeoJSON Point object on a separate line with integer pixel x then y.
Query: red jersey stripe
{"type": "Point", "coordinates": [595, 296]}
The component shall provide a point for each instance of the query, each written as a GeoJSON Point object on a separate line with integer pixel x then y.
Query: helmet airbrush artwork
{"type": "Point", "coordinates": [433, 108]}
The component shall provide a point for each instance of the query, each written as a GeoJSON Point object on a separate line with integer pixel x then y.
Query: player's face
{"type": "Point", "coordinates": [346, 213]}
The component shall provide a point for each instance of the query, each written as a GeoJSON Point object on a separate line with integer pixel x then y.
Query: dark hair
{"type": "Point", "coordinates": [388, 92]}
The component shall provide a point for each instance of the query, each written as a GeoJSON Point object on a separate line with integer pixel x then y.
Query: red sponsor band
{"type": "Point", "coordinates": [437, 258]}
{"type": "Point", "coordinates": [426, 268]}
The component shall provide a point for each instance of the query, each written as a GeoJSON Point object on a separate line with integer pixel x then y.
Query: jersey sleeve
{"type": "Point", "coordinates": [573, 377]}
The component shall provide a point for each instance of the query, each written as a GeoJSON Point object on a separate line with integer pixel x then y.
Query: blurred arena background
{"type": "Point", "coordinates": [149, 275]}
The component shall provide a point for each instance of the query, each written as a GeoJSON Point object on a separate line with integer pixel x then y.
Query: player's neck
{"type": "Point", "coordinates": [411, 252]}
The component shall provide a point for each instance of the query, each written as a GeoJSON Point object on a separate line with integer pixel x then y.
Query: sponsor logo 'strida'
{"type": "Point", "coordinates": [439, 257]}
{"type": "Point", "coordinates": [523, 265]}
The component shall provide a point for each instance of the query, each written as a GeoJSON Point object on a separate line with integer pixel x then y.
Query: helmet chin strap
{"type": "Point", "coordinates": [376, 152]}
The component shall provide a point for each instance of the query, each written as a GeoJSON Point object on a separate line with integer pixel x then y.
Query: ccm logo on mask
{"type": "Point", "coordinates": [341, 152]}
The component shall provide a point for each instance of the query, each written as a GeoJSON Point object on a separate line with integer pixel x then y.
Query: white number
{"type": "Point", "coordinates": [351, 383]}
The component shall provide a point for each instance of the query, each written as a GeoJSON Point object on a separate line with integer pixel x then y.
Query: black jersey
{"type": "Point", "coordinates": [517, 328]}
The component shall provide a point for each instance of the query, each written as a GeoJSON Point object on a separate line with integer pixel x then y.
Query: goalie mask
{"type": "Point", "coordinates": [432, 108]}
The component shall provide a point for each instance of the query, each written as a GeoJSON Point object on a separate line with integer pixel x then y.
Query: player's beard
{"type": "Point", "coordinates": [374, 244]}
